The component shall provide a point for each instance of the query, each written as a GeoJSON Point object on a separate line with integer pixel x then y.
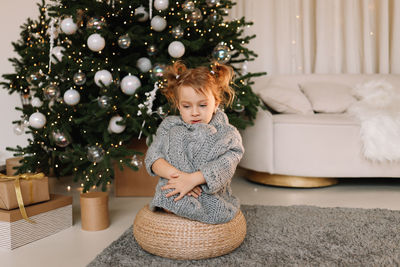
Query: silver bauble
{"type": "Point", "coordinates": [213, 17]}
{"type": "Point", "coordinates": [51, 91]}
{"type": "Point", "coordinates": [221, 53]}
{"type": "Point", "coordinates": [95, 153]}
{"type": "Point", "coordinates": [18, 129]}
{"type": "Point", "coordinates": [96, 23]}
{"type": "Point", "coordinates": [158, 71]}
{"type": "Point", "coordinates": [60, 138]}
{"type": "Point", "coordinates": [160, 112]}
{"type": "Point", "coordinates": [79, 78]}
{"type": "Point", "coordinates": [137, 161]}
{"type": "Point", "coordinates": [195, 15]}
{"type": "Point", "coordinates": [104, 101]}
{"type": "Point", "coordinates": [33, 78]}
{"type": "Point", "coordinates": [188, 6]}
{"type": "Point", "coordinates": [177, 31]}
{"type": "Point", "coordinates": [124, 41]}
{"type": "Point", "coordinates": [212, 3]}
{"type": "Point", "coordinates": [238, 106]}
{"type": "Point", "coordinates": [152, 50]}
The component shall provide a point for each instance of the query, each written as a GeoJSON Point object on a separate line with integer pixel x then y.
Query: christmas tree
{"type": "Point", "coordinates": [89, 71]}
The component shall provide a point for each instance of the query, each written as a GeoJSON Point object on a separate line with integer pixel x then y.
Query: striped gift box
{"type": "Point", "coordinates": [51, 217]}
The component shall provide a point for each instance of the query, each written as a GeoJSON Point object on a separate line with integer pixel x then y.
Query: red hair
{"type": "Point", "coordinates": [201, 79]}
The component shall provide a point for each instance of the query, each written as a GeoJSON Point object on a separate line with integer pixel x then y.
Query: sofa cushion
{"type": "Point", "coordinates": [328, 97]}
{"type": "Point", "coordinates": [285, 99]}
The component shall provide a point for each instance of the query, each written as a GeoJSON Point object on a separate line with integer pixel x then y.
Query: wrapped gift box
{"type": "Point", "coordinates": [33, 191]}
{"type": "Point", "coordinates": [50, 217]}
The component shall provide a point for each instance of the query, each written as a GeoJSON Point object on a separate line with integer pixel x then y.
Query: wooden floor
{"type": "Point", "coordinates": [75, 247]}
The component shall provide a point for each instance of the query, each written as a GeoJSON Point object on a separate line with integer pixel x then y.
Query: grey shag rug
{"type": "Point", "coordinates": [289, 236]}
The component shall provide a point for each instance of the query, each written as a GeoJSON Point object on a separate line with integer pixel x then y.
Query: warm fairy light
{"type": "Point", "coordinates": [68, 188]}
{"type": "Point", "coordinates": [82, 185]}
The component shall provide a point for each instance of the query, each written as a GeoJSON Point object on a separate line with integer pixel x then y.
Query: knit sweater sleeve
{"type": "Point", "coordinates": [158, 146]}
{"type": "Point", "coordinates": [219, 171]}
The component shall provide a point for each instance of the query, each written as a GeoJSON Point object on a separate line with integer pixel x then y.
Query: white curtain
{"type": "Point", "coordinates": [323, 36]}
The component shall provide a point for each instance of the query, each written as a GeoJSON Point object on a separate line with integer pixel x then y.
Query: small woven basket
{"type": "Point", "coordinates": [170, 236]}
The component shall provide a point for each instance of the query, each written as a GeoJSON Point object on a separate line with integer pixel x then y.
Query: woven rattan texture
{"type": "Point", "coordinates": [171, 236]}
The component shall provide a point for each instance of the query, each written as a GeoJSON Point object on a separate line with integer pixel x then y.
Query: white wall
{"type": "Point", "coordinates": [13, 13]}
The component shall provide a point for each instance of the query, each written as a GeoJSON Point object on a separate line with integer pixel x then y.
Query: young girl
{"type": "Point", "coordinates": [196, 154]}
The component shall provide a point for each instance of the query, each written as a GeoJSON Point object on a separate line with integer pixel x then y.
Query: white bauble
{"type": "Point", "coordinates": [114, 127]}
{"type": "Point", "coordinates": [176, 49]}
{"type": "Point", "coordinates": [141, 10]}
{"type": "Point", "coordinates": [96, 42]}
{"type": "Point", "coordinates": [104, 76]}
{"type": "Point", "coordinates": [144, 64]}
{"type": "Point", "coordinates": [158, 23]}
{"type": "Point", "coordinates": [68, 26]}
{"type": "Point", "coordinates": [57, 52]}
{"type": "Point", "coordinates": [161, 4]}
{"type": "Point", "coordinates": [37, 120]}
{"type": "Point", "coordinates": [129, 84]}
{"type": "Point", "coordinates": [72, 97]}
{"type": "Point", "coordinates": [36, 102]}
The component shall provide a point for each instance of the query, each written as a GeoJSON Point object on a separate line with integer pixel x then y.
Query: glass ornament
{"type": "Point", "coordinates": [212, 3]}
{"type": "Point", "coordinates": [188, 6]}
{"type": "Point", "coordinates": [60, 138]}
{"type": "Point", "coordinates": [177, 32]}
{"type": "Point", "coordinates": [33, 78]}
{"type": "Point", "coordinates": [213, 17]}
{"type": "Point", "coordinates": [96, 23]}
{"type": "Point", "coordinates": [79, 78]}
{"type": "Point", "coordinates": [124, 41]}
{"type": "Point", "coordinates": [95, 153]}
{"type": "Point", "coordinates": [160, 112]}
{"type": "Point", "coordinates": [51, 91]}
{"type": "Point", "coordinates": [238, 106]}
{"type": "Point", "coordinates": [158, 71]}
{"type": "Point", "coordinates": [152, 50]}
{"type": "Point", "coordinates": [195, 15]}
{"type": "Point", "coordinates": [137, 161]}
{"type": "Point", "coordinates": [18, 129]}
{"type": "Point", "coordinates": [221, 53]}
{"type": "Point", "coordinates": [104, 101]}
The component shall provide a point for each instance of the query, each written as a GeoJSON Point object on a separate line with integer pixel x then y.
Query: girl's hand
{"type": "Point", "coordinates": [196, 192]}
{"type": "Point", "coordinates": [183, 184]}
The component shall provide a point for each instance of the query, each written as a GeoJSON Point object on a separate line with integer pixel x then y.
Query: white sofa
{"type": "Point", "coordinates": [304, 148]}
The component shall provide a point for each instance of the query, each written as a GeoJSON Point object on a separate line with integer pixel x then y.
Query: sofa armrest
{"type": "Point", "coordinates": [260, 135]}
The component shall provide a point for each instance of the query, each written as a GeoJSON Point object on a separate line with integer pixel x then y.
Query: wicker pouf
{"type": "Point", "coordinates": [171, 236]}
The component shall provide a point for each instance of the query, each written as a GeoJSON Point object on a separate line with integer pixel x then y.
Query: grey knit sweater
{"type": "Point", "coordinates": [215, 149]}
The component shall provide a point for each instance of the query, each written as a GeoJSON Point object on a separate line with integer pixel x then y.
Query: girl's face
{"type": "Point", "coordinates": [195, 107]}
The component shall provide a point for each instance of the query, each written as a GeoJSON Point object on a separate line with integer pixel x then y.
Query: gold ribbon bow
{"type": "Point", "coordinates": [16, 178]}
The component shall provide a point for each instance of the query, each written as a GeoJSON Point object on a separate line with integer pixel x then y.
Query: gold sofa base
{"type": "Point", "coordinates": [289, 181]}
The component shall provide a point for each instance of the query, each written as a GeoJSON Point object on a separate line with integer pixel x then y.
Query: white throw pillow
{"type": "Point", "coordinates": [285, 100]}
{"type": "Point", "coordinates": [328, 97]}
